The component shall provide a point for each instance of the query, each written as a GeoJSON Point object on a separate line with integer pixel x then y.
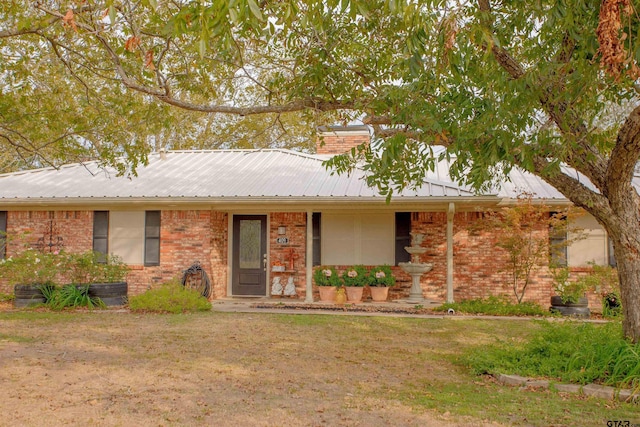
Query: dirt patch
{"type": "Point", "coordinates": [118, 368]}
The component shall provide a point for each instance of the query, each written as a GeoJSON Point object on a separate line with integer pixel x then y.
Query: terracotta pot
{"type": "Point", "coordinates": [354, 293]}
{"type": "Point", "coordinates": [379, 293]}
{"type": "Point", "coordinates": [327, 293]}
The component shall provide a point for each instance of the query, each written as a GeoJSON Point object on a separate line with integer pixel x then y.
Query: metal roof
{"type": "Point", "coordinates": [209, 174]}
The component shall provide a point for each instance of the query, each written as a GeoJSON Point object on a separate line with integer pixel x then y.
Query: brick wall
{"type": "Point", "coordinates": [185, 237]}
{"type": "Point", "coordinates": [25, 228]}
{"type": "Point", "coordinates": [219, 254]}
{"type": "Point", "coordinates": [479, 267]}
{"type": "Point", "coordinates": [339, 143]}
{"type": "Point", "coordinates": [193, 235]}
{"type": "Point", "coordinates": [296, 233]}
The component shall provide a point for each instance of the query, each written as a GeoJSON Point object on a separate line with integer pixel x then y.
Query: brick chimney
{"type": "Point", "coordinates": [340, 139]}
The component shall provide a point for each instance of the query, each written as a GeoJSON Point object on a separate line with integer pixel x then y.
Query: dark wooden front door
{"type": "Point", "coordinates": [249, 276]}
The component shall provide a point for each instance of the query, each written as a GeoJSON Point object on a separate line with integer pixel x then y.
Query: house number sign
{"type": "Point", "coordinates": [282, 240]}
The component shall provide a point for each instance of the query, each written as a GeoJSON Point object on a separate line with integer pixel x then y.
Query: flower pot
{"type": "Point", "coordinates": [575, 309]}
{"type": "Point", "coordinates": [354, 294]}
{"type": "Point", "coordinates": [327, 293]}
{"type": "Point", "coordinates": [379, 293]}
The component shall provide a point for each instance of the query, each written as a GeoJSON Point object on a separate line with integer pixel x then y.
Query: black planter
{"type": "Point", "coordinates": [574, 309]}
{"type": "Point", "coordinates": [111, 294]}
{"type": "Point", "coordinates": [26, 295]}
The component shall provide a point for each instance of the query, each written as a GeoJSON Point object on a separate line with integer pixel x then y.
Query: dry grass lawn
{"type": "Point", "coordinates": [232, 369]}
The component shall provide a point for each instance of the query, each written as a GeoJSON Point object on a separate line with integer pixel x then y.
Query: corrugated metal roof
{"type": "Point", "coordinates": [209, 174]}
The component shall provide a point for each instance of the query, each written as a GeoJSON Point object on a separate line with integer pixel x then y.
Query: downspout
{"type": "Point", "coordinates": [309, 259]}
{"type": "Point", "coordinates": [450, 214]}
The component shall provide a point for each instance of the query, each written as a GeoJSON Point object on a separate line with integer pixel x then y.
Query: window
{"type": "Point", "coordinates": [592, 245]}
{"type": "Point", "coordinates": [557, 245]}
{"type": "Point", "coordinates": [134, 236]}
{"type": "Point", "coordinates": [317, 254]}
{"type": "Point", "coordinates": [101, 234]}
{"type": "Point", "coordinates": [361, 238]}
{"type": "Point", "coordinates": [403, 236]}
{"type": "Point", "coordinates": [3, 234]}
{"type": "Point", "coordinates": [152, 238]}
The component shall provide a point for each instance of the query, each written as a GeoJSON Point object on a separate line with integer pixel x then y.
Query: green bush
{"type": "Point", "coordinates": [69, 296]}
{"type": "Point", "coordinates": [570, 352]}
{"type": "Point", "coordinates": [170, 297]}
{"type": "Point", "coordinates": [494, 306]}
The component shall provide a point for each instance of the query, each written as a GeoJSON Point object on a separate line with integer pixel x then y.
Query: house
{"type": "Point", "coordinates": [240, 212]}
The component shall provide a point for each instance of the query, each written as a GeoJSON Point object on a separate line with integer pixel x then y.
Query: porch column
{"type": "Point", "coordinates": [309, 258]}
{"type": "Point", "coordinates": [450, 213]}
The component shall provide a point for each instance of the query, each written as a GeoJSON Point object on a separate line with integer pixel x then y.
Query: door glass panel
{"type": "Point", "coordinates": [250, 243]}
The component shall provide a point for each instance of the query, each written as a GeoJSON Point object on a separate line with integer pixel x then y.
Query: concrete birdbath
{"type": "Point", "coordinates": [415, 268]}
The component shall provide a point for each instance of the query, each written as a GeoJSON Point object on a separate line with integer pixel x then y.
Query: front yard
{"type": "Point", "coordinates": [118, 368]}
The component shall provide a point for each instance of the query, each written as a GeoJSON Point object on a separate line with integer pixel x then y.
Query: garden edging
{"type": "Point", "coordinates": [593, 390]}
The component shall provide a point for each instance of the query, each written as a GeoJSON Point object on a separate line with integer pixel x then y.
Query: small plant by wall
{"type": "Point", "coordinates": [170, 297]}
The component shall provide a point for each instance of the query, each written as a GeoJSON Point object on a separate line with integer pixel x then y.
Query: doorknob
{"type": "Point", "coordinates": [264, 262]}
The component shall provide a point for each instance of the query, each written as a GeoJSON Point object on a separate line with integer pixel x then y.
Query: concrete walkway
{"type": "Point", "coordinates": [386, 309]}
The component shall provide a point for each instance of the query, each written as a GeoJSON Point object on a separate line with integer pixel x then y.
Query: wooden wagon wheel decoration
{"type": "Point", "coordinates": [196, 278]}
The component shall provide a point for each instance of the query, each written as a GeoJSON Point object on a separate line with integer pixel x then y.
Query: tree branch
{"type": "Point", "coordinates": [586, 159]}
{"type": "Point", "coordinates": [624, 157]}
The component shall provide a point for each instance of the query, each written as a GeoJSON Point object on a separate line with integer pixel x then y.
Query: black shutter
{"type": "Point", "coordinates": [101, 234]}
{"type": "Point", "coordinates": [557, 245]}
{"type": "Point", "coordinates": [3, 234]}
{"type": "Point", "coordinates": [403, 236]}
{"type": "Point", "coordinates": [317, 256]}
{"type": "Point", "coordinates": [152, 238]}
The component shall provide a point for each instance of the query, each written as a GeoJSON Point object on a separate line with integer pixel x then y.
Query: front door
{"type": "Point", "coordinates": [249, 269]}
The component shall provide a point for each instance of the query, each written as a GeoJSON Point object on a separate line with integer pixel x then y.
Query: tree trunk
{"type": "Point", "coordinates": [628, 264]}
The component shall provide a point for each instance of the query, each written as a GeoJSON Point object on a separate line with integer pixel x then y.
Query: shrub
{"type": "Point", "coordinates": [170, 297]}
{"type": "Point", "coordinates": [95, 267]}
{"type": "Point", "coordinates": [494, 306]}
{"type": "Point", "coordinates": [569, 291]}
{"type": "Point", "coordinates": [69, 296]}
{"type": "Point", "coordinates": [570, 352]}
{"type": "Point", "coordinates": [31, 267]}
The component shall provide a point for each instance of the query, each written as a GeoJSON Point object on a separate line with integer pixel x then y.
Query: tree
{"type": "Point", "coordinates": [522, 231]}
{"type": "Point", "coordinates": [499, 84]}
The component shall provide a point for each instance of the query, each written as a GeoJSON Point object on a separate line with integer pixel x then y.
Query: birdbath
{"type": "Point", "coordinates": [415, 268]}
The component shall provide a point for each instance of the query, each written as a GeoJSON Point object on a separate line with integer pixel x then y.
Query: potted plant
{"type": "Point", "coordinates": [603, 280]}
{"type": "Point", "coordinates": [105, 276]}
{"type": "Point", "coordinates": [380, 278]}
{"type": "Point", "coordinates": [355, 278]}
{"type": "Point", "coordinates": [570, 299]}
{"type": "Point", "coordinates": [327, 280]}
{"type": "Point", "coordinates": [29, 271]}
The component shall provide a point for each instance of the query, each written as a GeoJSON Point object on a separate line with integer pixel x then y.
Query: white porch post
{"type": "Point", "coordinates": [309, 258]}
{"type": "Point", "coordinates": [450, 213]}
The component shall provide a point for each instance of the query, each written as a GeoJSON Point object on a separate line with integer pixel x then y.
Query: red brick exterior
{"type": "Point", "coordinates": [296, 233]}
{"type": "Point", "coordinates": [336, 143]}
{"type": "Point", "coordinates": [202, 235]}
{"type": "Point", "coordinates": [185, 237]}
